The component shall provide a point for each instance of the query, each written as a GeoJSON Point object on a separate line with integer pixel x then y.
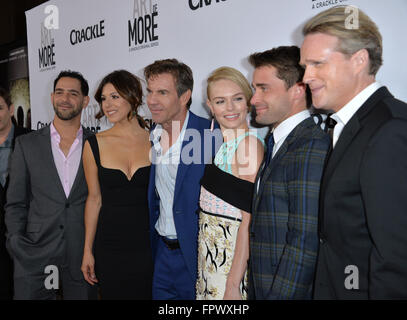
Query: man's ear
{"type": "Point", "coordinates": [298, 90]}
{"type": "Point", "coordinates": [360, 60]}
{"type": "Point", "coordinates": [11, 109]}
{"type": "Point", "coordinates": [185, 97]}
{"type": "Point", "coordinates": [86, 100]}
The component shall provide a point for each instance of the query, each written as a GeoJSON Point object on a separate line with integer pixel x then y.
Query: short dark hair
{"type": "Point", "coordinates": [180, 71]}
{"type": "Point", "coordinates": [129, 87]}
{"type": "Point", "coordinates": [6, 96]}
{"type": "Point", "coordinates": [75, 75]}
{"type": "Point", "coordinates": [286, 59]}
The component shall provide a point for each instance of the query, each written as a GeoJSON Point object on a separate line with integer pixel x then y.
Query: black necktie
{"type": "Point", "coordinates": [267, 158]}
{"type": "Point", "coordinates": [330, 125]}
{"type": "Point", "coordinates": [270, 147]}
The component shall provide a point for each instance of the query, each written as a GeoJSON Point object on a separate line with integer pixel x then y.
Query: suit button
{"type": "Point", "coordinates": [61, 227]}
{"type": "Point", "coordinates": [67, 205]}
{"type": "Point", "coordinates": [252, 235]}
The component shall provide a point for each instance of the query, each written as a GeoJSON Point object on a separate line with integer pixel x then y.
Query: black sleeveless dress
{"type": "Point", "coordinates": [123, 262]}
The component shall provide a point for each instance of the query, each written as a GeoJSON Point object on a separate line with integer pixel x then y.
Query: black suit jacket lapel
{"type": "Point", "coordinates": [349, 133]}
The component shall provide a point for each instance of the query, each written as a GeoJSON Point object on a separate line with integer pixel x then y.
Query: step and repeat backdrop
{"type": "Point", "coordinates": [96, 37]}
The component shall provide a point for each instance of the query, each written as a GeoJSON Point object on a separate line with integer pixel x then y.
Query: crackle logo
{"type": "Point", "coordinates": [88, 33]}
{"type": "Point", "coordinates": [198, 4]}
{"type": "Point", "coordinates": [143, 28]}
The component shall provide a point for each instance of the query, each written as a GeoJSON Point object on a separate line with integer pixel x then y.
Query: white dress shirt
{"type": "Point", "coordinates": [165, 178]}
{"type": "Point", "coordinates": [343, 116]}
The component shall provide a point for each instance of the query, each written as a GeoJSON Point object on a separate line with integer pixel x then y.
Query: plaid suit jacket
{"type": "Point", "coordinates": [284, 230]}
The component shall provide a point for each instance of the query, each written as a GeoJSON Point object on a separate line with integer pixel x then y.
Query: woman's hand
{"type": "Point", "coordinates": [88, 268]}
{"type": "Point", "coordinates": [232, 292]}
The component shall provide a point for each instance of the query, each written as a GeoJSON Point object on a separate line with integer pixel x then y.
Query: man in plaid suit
{"type": "Point", "coordinates": [283, 237]}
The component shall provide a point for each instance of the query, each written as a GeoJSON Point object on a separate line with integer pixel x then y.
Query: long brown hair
{"type": "Point", "coordinates": [129, 88]}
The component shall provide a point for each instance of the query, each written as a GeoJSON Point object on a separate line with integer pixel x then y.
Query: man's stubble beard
{"type": "Point", "coordinates": [67, 116]}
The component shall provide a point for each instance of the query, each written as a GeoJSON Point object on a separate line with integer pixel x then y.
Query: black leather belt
{"type": "Point", "coordinates": [171, 244]}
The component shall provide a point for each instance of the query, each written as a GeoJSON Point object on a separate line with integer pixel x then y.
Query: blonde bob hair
{"type": "Point", "coordinates": [228, 73]}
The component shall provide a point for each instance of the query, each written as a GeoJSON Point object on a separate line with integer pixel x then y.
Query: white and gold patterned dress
{"type": "Point", "coordinates": [222, 198]}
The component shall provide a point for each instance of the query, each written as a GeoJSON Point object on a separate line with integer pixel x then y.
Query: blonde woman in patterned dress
{"type": "Point", "coordinates": [226, 191]}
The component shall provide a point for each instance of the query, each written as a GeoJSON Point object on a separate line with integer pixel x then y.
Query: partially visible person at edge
{"type": "Point", "coordinates": [117, 253]}
{"type": "Point", "coordinates": [8, 134]}
{"type": "Point", "coordinates": [227, 190]}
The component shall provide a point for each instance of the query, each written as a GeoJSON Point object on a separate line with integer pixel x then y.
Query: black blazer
{"type": "Point", "coordinates": [363, 206]}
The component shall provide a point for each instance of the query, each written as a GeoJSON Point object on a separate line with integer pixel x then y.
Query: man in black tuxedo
{"type": "Point", "coordinates": [8, 133]}
{"type": "Point", "coordinates": [363, 201]}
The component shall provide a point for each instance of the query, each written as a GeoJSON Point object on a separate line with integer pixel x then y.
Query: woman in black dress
{"type": "Point", "coordinates": [117, 252]}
